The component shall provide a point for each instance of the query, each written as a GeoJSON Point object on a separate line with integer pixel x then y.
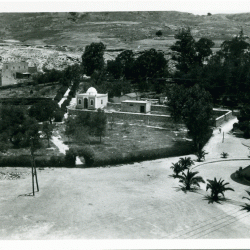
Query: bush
{"type": "Point", "coordinates": [59, 116]}
{"type": "Point", "coordinates": [70, 157]}
{"type": "Point", "coordinates": [159, 33]}
{"type": "Point", "coordinates": [88, 153]}
{"type": "Point", "coordinates": [65, 104]}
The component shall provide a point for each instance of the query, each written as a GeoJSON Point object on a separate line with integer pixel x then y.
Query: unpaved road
{"type": "Point", "coordinates": [136, 201]}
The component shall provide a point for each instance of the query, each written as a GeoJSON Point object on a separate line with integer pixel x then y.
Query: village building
{"type": "Point", "coordinates": [91, 100]}
{"type": "Point", "coordinates": [13, 72]}
{"type": "Point", "coordinates": [135, 106]}
{"type": "Point", "coordinates": [124, 97]}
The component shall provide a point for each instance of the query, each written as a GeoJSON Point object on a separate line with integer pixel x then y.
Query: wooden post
{"type": "Point", "coordinates": [37, 187]}
{"type": "Point", "coordinates": [32, 173]}
{"type": "Point", "coordinates": [223, 137]}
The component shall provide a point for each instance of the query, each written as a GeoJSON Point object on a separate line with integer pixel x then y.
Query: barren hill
{"type": "Point", "coordinates": [69, 33]}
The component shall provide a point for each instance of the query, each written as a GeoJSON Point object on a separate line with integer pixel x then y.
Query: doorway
{"type": "Point", "coordinates": [142, 109]}
{"type": "Point", "coordinates": [85, 103]}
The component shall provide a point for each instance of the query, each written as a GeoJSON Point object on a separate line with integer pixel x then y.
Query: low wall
{"type": "Point", "coordinates": [221, 119]}
{"type": "Point", "coordinates": [157, 108]}
{"type": "Point", "coordinates": [127, 116]}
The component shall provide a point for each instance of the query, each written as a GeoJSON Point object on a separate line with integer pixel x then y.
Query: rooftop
{"type": "Point", "coordinates": [133, 101]}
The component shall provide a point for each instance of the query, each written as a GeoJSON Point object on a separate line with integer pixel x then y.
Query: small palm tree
{"type": "Point", "coordinates": [201, 155]}
{"type": "Point", "coordinates": [224, 155]}
{"type": "Point", "coordinates": [177, 168]}
{"type": "Point", "coordinates": [217, 187]}
{"type": "Point", "coordinates": [186, 162]}
{"type": "Point", "coordinates": [247, 205]}
{"type": "Point", "coordinates": [190, 179]}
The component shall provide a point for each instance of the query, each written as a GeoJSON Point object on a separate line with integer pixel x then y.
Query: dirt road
{"type": "Point", "coordinates": [134, 201]}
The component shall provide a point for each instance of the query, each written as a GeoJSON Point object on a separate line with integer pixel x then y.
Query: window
{"type": "Point", "coordinates": [79, 101]}
{"type": "Point", "coordinates": [6, 66]}
{"type": "Point", "coordinates": [91, 102]}
{"type": "Point", "coordinates": [101, 101]}
{"type": "Point", "coordinates": [131, 104]}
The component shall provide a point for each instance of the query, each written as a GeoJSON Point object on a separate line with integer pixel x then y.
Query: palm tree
{"type": "Point", "coordinates": [201, 155]}
{"type": "Point", "coordinates": [246, 206]}
{"type": "Point", "coordinates": [177, 168]}
{"type": "Point", "coordinates": [217, 187]}
{"type": "Point", "coordinates": [186, 162]}
{"type": "Point", "coordinates": [189, 179]}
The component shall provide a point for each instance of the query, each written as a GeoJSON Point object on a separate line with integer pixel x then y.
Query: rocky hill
{"type": "Point", "coordinates": [55, 39]}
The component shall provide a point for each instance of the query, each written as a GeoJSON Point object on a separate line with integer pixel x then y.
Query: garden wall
{"type": "Point", "coordinates": [221, 119]}
{"type": "Point", "coordinates": [23, 101]}
{"type": "Point", "coordinates": [158, 108]}
{"type": "Point", "coordinates": [127, 116]}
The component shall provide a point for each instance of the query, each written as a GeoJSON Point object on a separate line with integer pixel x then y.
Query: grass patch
{"type": "Point", "coordinates": [139, 142]}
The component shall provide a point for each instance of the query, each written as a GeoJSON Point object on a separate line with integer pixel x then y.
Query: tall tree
{"type": "Point", "coordinates": [148, 65]}
{"type": "Point", "coordinates": [92, 58]}
{"type": "Point", "coordinates": [99, 123]}
{"type": "Point", "coordinates": [184, 50]}
{"type": "Point", "coordinates": [197, 114]}
{"type": "Point", "coordinates": [193, 106]}
{"type": "Point", "coordinates": [44, 110]}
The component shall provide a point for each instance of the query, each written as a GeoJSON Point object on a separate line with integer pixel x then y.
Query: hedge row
{"type": "Point", "coordinates": [179, 149]}
{"type": "Point", "coordinates": [25, 161]}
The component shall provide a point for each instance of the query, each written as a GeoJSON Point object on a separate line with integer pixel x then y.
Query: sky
{"type": "Point", "coordinates": [198, 7]}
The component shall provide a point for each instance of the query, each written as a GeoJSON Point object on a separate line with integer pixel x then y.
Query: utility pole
{"type": "Point", "coordinates": [33, 168]}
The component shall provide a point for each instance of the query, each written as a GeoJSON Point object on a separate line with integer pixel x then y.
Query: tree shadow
{"type": "Point", "coordinates": [183, 189]}
{"type": "Point", "coordinates": [221, 200]}
{"type": "Point", "coordinates": [246, 207]}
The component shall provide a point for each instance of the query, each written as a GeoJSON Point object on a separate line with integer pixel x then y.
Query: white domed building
{"type": "Point", "coordinates": [91, 100]}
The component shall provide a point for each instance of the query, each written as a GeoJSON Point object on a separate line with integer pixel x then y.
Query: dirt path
{"type": "Point", "coordinates": [133, 201]}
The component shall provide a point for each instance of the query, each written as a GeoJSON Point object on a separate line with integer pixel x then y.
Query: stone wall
{"type": "Point", "coordinates": [146, 118]}
{"type": "Point", "coordinates": [221, 119]}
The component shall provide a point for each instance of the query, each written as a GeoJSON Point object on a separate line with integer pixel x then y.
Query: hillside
{"type": "Point", "coordinates": [55, 39]}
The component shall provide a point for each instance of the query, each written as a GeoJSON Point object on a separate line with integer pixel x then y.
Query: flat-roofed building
{"type": "Point", "coordinates": [135, 106]}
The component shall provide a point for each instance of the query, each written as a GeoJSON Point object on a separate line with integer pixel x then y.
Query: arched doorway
{"type": "Point", "coordinates": [85, 103]}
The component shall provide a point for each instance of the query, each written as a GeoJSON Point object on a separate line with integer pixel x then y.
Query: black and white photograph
{"type": "Point", "coordinates": [125, 120]}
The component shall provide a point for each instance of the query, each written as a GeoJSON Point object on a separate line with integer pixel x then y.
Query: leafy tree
{"type": "Point", "coordinates": [149, 64]}
{"type": "Point", "coordinates": [184, 49]}
{"type": "Point", "coordinates": [193, 106]}
{"type": "Point", "coordinates": [92, 58]}
{"type": "Point", "coordinates": [189, 179]}
{"type": "Point", "coordinates": [203, 49]}
{"type": "Point", "coordinates": [99, 123]}
{"type": "Point", "coordinates": [217, 187]}
{"type": "Point", "coordinates": [44, 110]}
{"type": "Point", "coordinates": [122, 66]}
{"type": "Point", "coordinates": [12, 124]}
{"type": "Point", "coordinates": [176, 101]}
{"type": "Point", "coordinates": [196, 114]}
{"type": "Point", "coordinates": [48, 131]}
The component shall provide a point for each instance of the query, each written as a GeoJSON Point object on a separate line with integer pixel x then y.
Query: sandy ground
{"type": "Point", "coordinates": [134, 201]}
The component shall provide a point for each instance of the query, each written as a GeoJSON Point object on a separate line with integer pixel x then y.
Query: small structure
{"type": "Point", "coordinates": [136, 106]}
{"type": "Point", "coordinates": [12, 72]}
{"type": "Point", "coordinates": [129, 96]}
{"type": "Point", "coordinates": [91, 100]}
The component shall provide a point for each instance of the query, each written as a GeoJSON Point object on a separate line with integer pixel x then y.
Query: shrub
{"type": "Point", "coordinates": [59, 116]}
{"type": "Point", "coordinates": [159, 33]}
{"type": "Point", "coordinates": [224, 155]}
{"type": "Point", "coordinates": [70, 157]}
{"type": "Point", "coordinates": [88, 153]}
